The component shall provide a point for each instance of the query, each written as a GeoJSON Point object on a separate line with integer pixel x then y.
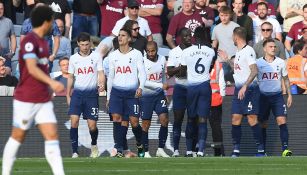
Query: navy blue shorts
{"type": "Point", "coordinates": [249, 105]}
{"type": "Point", "coordinates": [275, 103]}
{"type": "Point", "coordinates": [155, 103]}
{"type": "Point", "coordinates": [85, 105]}
{"type": "Point", "coordinates": [199, 100]}
{"type": "Point", "coordinates": [123, 102]}
{"type": "Point", "coordinates": [179, 97]}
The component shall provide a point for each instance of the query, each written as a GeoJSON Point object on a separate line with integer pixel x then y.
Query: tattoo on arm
{"type": "Point", "coordinates": [287, 84]}
{"type": "Point", "coordinates": [252, 75]}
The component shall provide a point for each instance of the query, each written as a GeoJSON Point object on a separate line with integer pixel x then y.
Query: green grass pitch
{"type": "Point", "coordinates": [169, 166]}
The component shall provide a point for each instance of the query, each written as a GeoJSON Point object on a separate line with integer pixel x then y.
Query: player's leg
{"type": "Point", "coordinates": [118, 130]}
{"type": "Point", "coordinates": [257, 133]}
{"type": "Point", "coordinates": [215, 120]}
{"type": "Point", "coordinates": [179, 107]}
{"type": "Point", "coordinates": [125, 125]}
{"type": "Point", "coordinates": [47, 125]}
{"type": "Point", "coordinates": [145, 127]}
{"type": "Point", "coordinates": [263, 117]}
{"type": "Point", "coordinates": [92, 125]}
{"type": "Point", "coordinates": [146, 110]}
{"type": "Point", "coordinates": [236, 133]}
{"type": "Point", "coordinates": [23, 114]}
{"type": "Point", "coordinates": [163, 117]}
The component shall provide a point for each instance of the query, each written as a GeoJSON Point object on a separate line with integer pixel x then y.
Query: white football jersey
{"type": "Point", "coordinates": [270, 74]}
{"type": "Point", "coordinates": [174, 59]}
{"type": "Point", "coordinates": [126, 71]}
{"type": "Point", "coordinates": [243, 59]}
{"type": "Point", "coordinates": [155, 73]}
{"type": "Point", "coordinates": [198, 59]}
{"type": "Point", "coordinates": [85, 70]}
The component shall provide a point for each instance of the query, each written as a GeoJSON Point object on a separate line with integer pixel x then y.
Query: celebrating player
{"type": "Point", "coordinates": [270, 71]}
{"type": "Point", "coordinates": [126, 82]}
{"type": "Point", "coordinates": [153, 98]}
{"type": "Point", "coordinates": [246, 96]}
{"type": "Point", "coordinates": [180, 91]}
{"type": "Point", "coordinates": [197, 60]}
{"type": "Point", "coordinates": [32, 96]}
{"type": "Point", "coordinates": [87, 77]}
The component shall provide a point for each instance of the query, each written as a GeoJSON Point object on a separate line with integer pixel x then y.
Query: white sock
{"type": "Point", "coordinates": [53, 156]}
{"type": "Point", "coordinates": [9, 155]}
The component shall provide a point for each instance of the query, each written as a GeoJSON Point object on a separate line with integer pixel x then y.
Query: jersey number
{"type": "Point", "coordinates": [136, 109]}
{"type": "Point", "coordinates": [94, 111]}
{"type": "Point", "coordinates": [163, 102]}
{"type": "Point", "coordinates": [199, 68]}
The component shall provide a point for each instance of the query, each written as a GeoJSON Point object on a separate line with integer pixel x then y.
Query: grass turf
{"type": "Point", "coordinates": [169, 166]}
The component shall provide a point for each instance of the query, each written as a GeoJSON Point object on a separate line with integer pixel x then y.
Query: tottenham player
{"type": "Point", "coordinates": [32, 96]}
{"type": "Point", "coordinates": [153, 98]}
{"type": "Point", "coordinates": [196, 61]}
{"type": "Point", "coordinates": [271, 70]}
{"type": "Point", "coordinates": [180, 91]}
{"type": "Point", "coordinates": [87, 77]}
{"type": "Point", "coordinates": [125, 85]}
{"type": "Point", "coordinates": [246, 96]}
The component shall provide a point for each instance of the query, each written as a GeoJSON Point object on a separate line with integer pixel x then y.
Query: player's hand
{"type": "Point", "coordinates": [165, 86]}
{"type": "Point", "coordinates": [107, 105]}
{"type": "Point", "coordinates": [138, 93]}
{"type": "Point", "coordinates": [222, 54]}
{"type": "Point", "coordinates": [68, 99]}
{"type": "Point", "coordinates": [57, 86]}
{"type": "Point", "coordinates": [101, 88]}
{"type": "Point", "coordinates": [241, 93]}
{"type": "Point", "coordinates": [289, 101]}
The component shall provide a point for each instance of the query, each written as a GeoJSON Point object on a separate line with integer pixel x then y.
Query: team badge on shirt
{"type": "Point", "coordinates": [29, 47]}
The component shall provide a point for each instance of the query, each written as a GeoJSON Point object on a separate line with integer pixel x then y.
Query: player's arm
{"type": "Point", "coordinates": [141, 75]}
{"type": "Point", "coordinates": [170, 41]}
{"type": "Point", "coordinates": [172, 70]}
{"type": "Point", "coordinates": [183, 67]}
{"type": "Point", "coordinates": [38, 74]}
{"type": "Point", "coordinates": [70, 80]}
{"type": "Point", "coordinates": [101, 77]}
{"type": "Point", "coordinates": [110, 78]}
{"type": "Point", "coordinates": [250, 79]}
{"type": "Point", "coordinates": [287, 84]}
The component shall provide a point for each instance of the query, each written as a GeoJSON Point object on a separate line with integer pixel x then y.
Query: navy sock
{"type": "Point", "coordinates": [264, 137]}
{"type": "Point", "coordinates": [115, 126]}
{"type": "Point", "coordinates": [125, 142]}
{"type": "Point", "coordinates": [145, 140]}
{"type": "Point", "coordinates": [189, 135]}
{"type": "Point", "coordinates": [202, 136]}
{"type": "Point", "coordinates": [176, 134]}
{"type": "Point", "coordinates": [137, 131]}
{"type": "Point", "coordinates": [236, 136]}
{"type": "Point", "coordinates": [118, 136]}
{"type": "Point", "coordinates": [258, 136]}
{"type": "Point", "coordinates": [74, 139]}
{"type": "Point", "coordinates": [284, 136]}
{"type": "Point", "coordinates": [162, 136]}
{"type": "Point", "coordinates": [94, 136]}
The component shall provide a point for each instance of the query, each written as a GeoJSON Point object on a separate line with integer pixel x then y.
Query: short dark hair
{"type": "Point", "coordinates": [129, 23]}
{"type": "Point", "coordinates": [128, 31]}
{"type": "Point", "coordinates": [83, 36]}
{"type": "Point", "coordinates": [40, 14]}
{"type": "Point", "coordinates": [305, 6]}
{"type": "Point", "coordinates": [62, 59]}
{"type": "Point", "coordinates": [267, 23]}
{"type": "Point", "coordinates": [263, 3]}
{"type": "Point", "coordinates": [225, 10]}
{"type": "Point", "coordinates": [298, 46]}
{"type": "Point", "coordinates": [200, 35]}
{"type": "Point", "coordinates": [240, 32]}
{"type": "Point", "coordinates": [270, 40]}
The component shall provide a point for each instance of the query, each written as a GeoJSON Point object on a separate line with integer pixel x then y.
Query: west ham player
{"type": "Point", "coordinates": [197, 60]}
{"type": "Point", "coordinates": [180, 91]}
{"type": "Point", "coordinates": [87, 78]}
{"type": "Point", "coordinates": [271, 70]}
{"type": "Point", "coordinates": [125, 85]}
{"type": "Point", "coordinates": [246, 96]}
{"type": "Point", "coordinates": [32, 98]}
{"type": "Point", "coordinates": [153, 98]}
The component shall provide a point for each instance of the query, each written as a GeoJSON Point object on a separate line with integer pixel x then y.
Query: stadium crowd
{"type": "Point", "coordinates": [160, 31]}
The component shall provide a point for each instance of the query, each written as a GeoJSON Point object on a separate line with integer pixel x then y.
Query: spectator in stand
{"type": "Point", "coordinates": [177, 7]}
{"type": "Point", "coordinates": [187, 18]}
{"type": "Point", "coordinates": [262, 9]}
{"type": "Point", "coordinates": [222, 33]}
{"type": "Point", "coordinates": [207, 14]}
{"type": "Point", "coordinates": [61, 11]}
{"type": "Point", "coordinates": [297, 68]}
{"type": "Point", "coordinates": [253, 9]}
{"type": "Point", "coordinates": [64, 49]}
{"type": "Point", "coordinates": [111, 11]}
{"type": "Point", "coordinates": [10, 11]}
{"type": "Point", "coordinates": [266, 31]}
{"type": "Point", "coordinates": [295, 32]}
{"type": "Point", "coordinates": [219, 4]}
{"type": "Point", "coordinates": [63, 63]}
{"type": "Point", "coordinates": [7, 82]}
{"type": "Point", "coordinates": [84, 18]}
{"type": "Point", "coordinates": [242, 19]}
{"type": "Point", "coordinates": [151, 10]}
{"type": "Point", "coordinates": [53, 37]}
{"type": "Point", "coordinates": [292, 12]}
{"type": "Point", "coordinates": [27, 6]}
{"type": "Point", "coordinates": [133, 14]}
{"type": "Point", "coordinates": [7, 37]}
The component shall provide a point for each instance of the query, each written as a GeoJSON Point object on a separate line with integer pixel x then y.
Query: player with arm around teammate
{"type": "Point", "coordinates": [271, 70]}
{"type": "Point", "coordinates": [87, 78]}
{"type": "Point", "coordinates": [125, 85]}
{"type": "Point", "coordinates": [153, 98]}
{"type": "Point", "coordinates": [245, 101]}
{"type": "Point", "coordinates": [197, 60]}
{"type": "Point", "coordinates": [32, 98]}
